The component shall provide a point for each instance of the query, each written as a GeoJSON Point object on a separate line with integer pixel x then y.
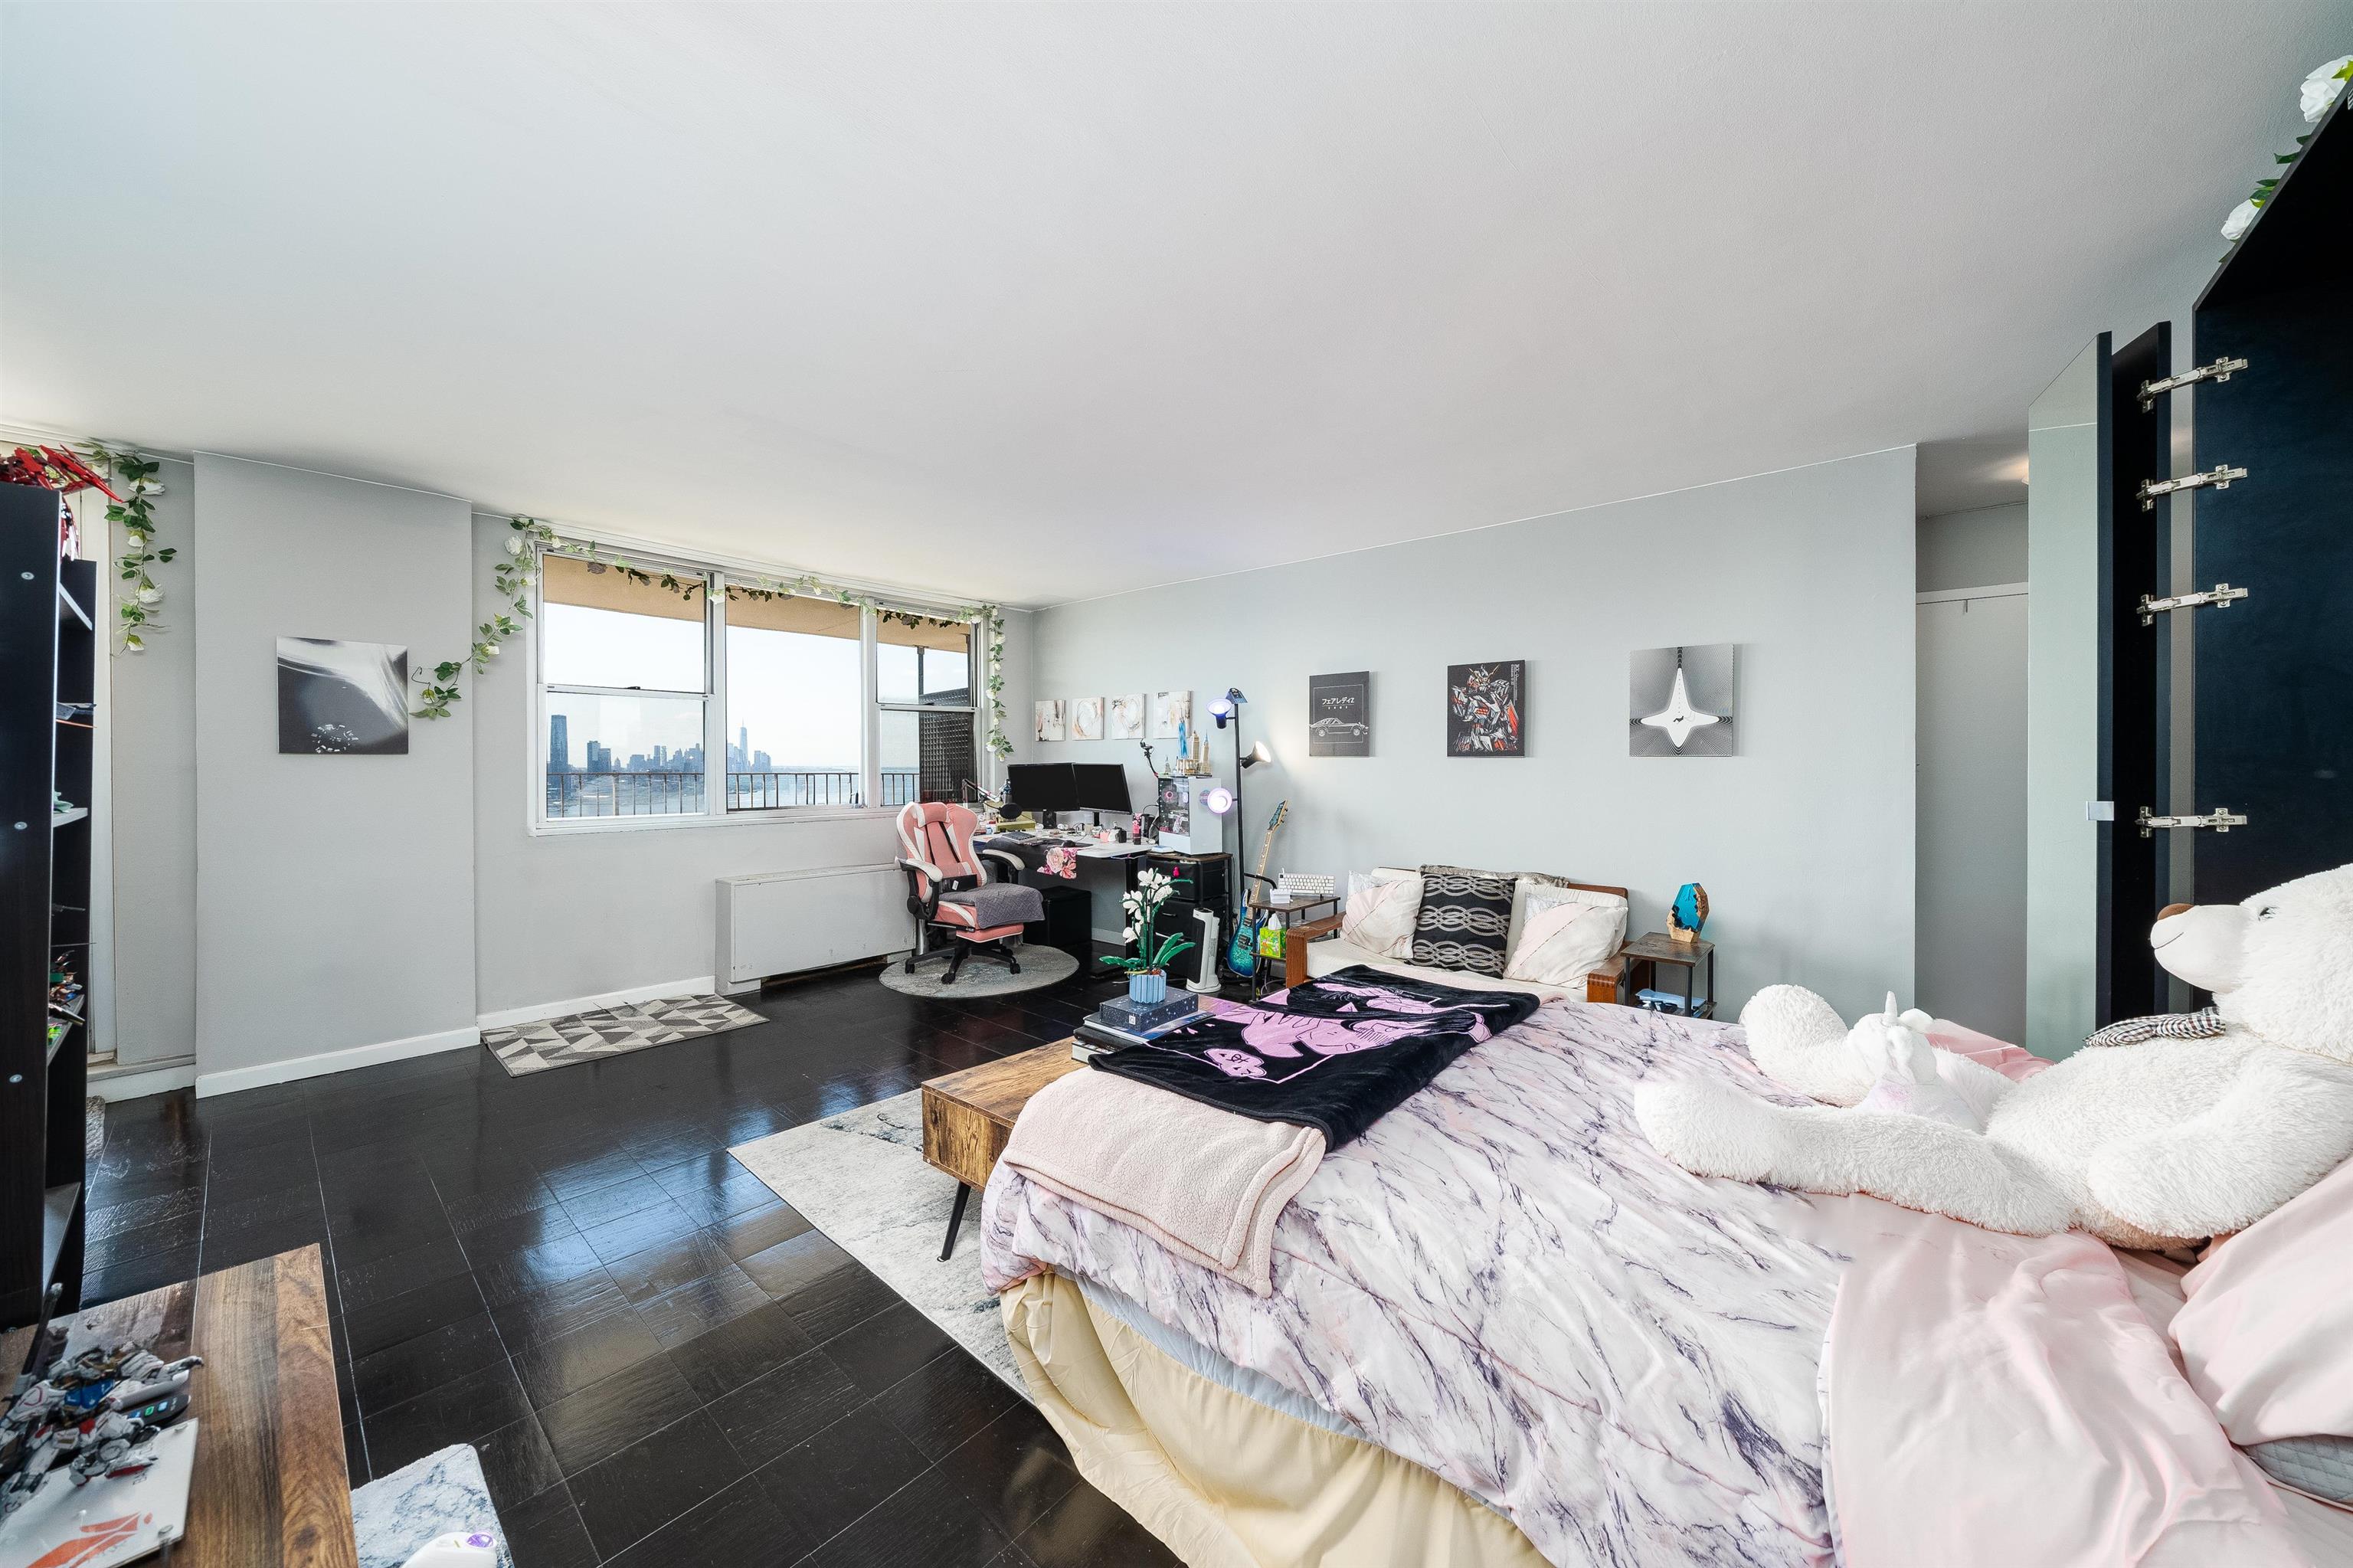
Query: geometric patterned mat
{"type": "Point", "coordinates": [605, 1032]}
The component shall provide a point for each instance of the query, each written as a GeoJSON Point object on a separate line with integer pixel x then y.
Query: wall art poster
{"type": "Point", "coordinates": [1340, 715]}
{"type": "Point", "coordinates": [1170, 709]}
{"type": "Point", "coordinates": [1124, 721]}
{"type": "Point", "coordinates": [1682, 701]}
{"type": "Point", "coordinates": [1486, 709]}
{"type": "Point", "coordinates": [1086, 718]}
{"type": "Point", "coordinates": [1051, 721]}
{"type": "Point", "coordinates": [342, 698]}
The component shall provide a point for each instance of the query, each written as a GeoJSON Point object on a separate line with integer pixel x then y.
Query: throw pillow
{"type": "Point", "coordinates": [1566, 934]}
{"type": "Point", "coordinates": [1381, 910]}
{"type": "Point", "coordinates": [1465, 917]}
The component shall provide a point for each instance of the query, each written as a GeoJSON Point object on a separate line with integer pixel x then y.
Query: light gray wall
{"type": "Point", "coordinates": [1804, 841]}
{"type": "Point", "coordinates": [153, 739]}
{"type": "Point", "coordinates": [564, 916]}
{"type": "Point", "coordinates": [1973, 549]}
{"type": "Point", "coordinates": [335, 904]}
{"type": "Point", "coordinates": [2063, 710]}
{"type": "Point", "coordinates": [1971, 932]}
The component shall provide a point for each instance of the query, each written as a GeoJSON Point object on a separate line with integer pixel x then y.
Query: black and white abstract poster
{"type": "Point", "coordinates": [1486, 709]}
{"type": "Point", "coordinates": [1684, 701]}
{"type": "Point", "coordinates": [1340, 715]}
{"type": "Point", "coordinates": [342, 698]}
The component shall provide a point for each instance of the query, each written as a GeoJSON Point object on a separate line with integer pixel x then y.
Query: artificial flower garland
{"type": "Point", "coordinates": [66, 470]}
{"type": "Point", "coordinates": [2319, 90]}
{"type": "Point", "coordinates": [529, 537]}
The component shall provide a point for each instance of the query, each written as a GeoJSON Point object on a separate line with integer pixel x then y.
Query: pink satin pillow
{"type": "Point", "coordinates": [2266, 1336]}
{"type": "Point", "coordinates": [2011, 1061]}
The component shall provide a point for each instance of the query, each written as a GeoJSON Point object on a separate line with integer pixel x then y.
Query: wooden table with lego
{"type": "Point", "coordinates": [270, 1489]}
{"type": "Point", "coordinates": [969, 1115]}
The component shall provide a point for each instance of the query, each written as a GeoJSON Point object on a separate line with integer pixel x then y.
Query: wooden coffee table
{"type": "Point", "coordinates": [270, 1489]}
{"type": "Point", "coordinates": [969, 1115]}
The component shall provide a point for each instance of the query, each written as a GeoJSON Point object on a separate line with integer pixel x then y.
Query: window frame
{"type": "Point", "coordinates": [715, 812]}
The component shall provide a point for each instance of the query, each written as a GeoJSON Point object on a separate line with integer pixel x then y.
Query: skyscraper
{"type": "Point", "coordinates": [559, 744]}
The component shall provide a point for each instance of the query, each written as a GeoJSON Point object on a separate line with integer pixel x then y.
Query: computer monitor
{"type": "Point", "coordinates": [1102, 787]}
{"type": "Point", "coordinates": [1043, 786]}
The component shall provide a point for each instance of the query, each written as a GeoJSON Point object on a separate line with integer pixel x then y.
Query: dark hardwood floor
{"type": "Point", "coordinates": [661, 1364]}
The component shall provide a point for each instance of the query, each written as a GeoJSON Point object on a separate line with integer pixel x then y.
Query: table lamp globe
{"type": "Point", "coordinates": [1688, 913]}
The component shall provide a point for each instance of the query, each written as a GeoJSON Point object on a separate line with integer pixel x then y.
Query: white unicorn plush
{"type": "Point", "coordinates": [2186, 1127]}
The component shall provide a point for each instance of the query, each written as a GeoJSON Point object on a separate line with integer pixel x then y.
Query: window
{"type": "Point", "coordinates": [626, 671]}
{"type": "Point", "coordinates": [796, 702]}
{"type": "Point", "coordinates": [686, 697]}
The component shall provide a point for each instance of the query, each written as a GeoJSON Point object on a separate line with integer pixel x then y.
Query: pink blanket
{"type": "Point", "coordinates": [1999, 1399]}
{"type": "Point", "coordinates": [1203, 1182]}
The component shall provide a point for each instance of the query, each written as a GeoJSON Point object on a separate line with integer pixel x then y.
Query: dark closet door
{"type": "Point", "coordinates": [2135, 561]}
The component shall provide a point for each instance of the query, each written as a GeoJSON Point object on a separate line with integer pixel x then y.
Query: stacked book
{"type": "Point", "coordinates": [1120, 1021]}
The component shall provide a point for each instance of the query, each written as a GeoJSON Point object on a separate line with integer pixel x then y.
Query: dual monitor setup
{"type": "Point", "coordinates": [1044, 787]}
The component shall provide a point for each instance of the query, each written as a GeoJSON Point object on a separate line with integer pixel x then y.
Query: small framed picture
{"type": "Point", "coordinates": [340, 699]}
{"type": "Point", "coordinates": [1486, 709]}
{"type": "Point", "coordinates": [1086, 718]}
{"type": "Point", "coordinates": [1170, 709]}
{"type": "Point", "coordinates": [1125, 718]}
{"type": "Point", "coordinates": [1052, 721]}
{"type": "Point", "coordinates": [1340, 715]}
{"type": "Point", "coordinates": [1684, 701]}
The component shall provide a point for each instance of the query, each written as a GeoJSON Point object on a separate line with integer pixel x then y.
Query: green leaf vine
{"type": "Point", "coordinates": [134, 510]}
{"type": "Point", "coordinates": [517, 569]}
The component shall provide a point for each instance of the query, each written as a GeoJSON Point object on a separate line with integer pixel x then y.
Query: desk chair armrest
{"type": "Point", "coordinates": [924, 866]}
{"type": "Point", "coordinates": [1011, 862]}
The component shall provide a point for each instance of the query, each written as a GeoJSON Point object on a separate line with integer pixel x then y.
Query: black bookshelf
{"type": "Point", "coordinates": [49, 669]}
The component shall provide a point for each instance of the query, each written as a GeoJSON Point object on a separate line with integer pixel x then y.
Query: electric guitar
{"type": "Point", "coordinates": [1241, 957]}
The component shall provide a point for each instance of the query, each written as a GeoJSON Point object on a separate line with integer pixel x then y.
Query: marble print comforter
{"type": "Point", "coordinates": [1503, 1282]}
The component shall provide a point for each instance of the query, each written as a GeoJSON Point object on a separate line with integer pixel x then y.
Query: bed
{"type": "Point", "coordinates": [1503, 1331]}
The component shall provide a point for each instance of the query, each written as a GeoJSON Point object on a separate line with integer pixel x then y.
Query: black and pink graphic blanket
{"type": "Point", "coordinates": [1336, 1054]}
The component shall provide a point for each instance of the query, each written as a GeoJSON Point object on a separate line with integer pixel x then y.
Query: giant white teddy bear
{"type": "Point", "coordinates": [2153, 1143]}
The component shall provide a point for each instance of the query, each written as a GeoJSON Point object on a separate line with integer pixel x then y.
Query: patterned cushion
{"type": "Point", "coordinates": [2319, 1467]}
{"type": "Point", "coordinates": [1464, 920]}
{"type": "Point", "coordinates": [1381, 912]}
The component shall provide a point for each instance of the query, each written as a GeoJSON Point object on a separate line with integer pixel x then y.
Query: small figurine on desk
{"type": "Point", "coordinates": [93, 1412]}
{"type": "Point", "coordinates": [1688, 913]}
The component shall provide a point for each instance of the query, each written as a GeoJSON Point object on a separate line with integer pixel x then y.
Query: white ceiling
{"type": "Point", "coordinates": [1044, 303]}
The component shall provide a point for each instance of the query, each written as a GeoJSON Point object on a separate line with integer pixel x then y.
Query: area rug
{"type": "Point", "coordinates": [1040, 966]}
{"type": "Point", "coordinates": [861, 1177]}
{"type": "Point", "coordinates": [613, 1031]}
{"type": "Point", "coordinates": [441, 1494]}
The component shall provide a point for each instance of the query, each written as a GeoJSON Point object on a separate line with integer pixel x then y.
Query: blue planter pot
{"type": "Point", "coordinates": [1145, 989]}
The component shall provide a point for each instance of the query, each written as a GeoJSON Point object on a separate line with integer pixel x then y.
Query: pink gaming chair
{"type": "Point", "coordinates": [951, 894]}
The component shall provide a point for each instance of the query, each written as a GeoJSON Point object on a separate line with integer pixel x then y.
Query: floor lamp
{"type": "Point", "coordinates": [1228, 711]}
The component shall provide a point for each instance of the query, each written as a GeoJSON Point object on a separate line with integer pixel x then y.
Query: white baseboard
{"type": "Point", "coordinates": [137, 1081]}
{"type": "Point", "coordinates": [698, 985]}
{"type": "Point", "coordinates": [235, 1078]}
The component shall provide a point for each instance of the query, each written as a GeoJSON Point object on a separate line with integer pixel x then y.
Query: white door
{"type": "Point", "coordinates": [1970, 929]}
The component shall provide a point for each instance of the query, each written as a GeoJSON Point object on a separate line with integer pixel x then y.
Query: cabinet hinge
{"type": "Point", "coordinates": [2220, 596]}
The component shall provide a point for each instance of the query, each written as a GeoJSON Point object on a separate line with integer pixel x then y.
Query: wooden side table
{"type": "Point", "coordinates": [969, 1115]}
{"type": "Point", "coordinates": [1645, 953]}
{"type": "Point", "coordinates": [270, 1488]}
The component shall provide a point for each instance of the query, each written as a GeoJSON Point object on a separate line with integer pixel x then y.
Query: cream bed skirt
{"type": "Point", "coordinates": [1225, 1481]}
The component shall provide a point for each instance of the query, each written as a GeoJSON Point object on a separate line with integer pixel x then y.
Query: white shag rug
{"type": "Point", "coordinates": [860, 1177]}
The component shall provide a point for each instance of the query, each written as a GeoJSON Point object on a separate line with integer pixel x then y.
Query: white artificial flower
{"type": "Point", "coordinates": [135, 537]}
{"type": "Point", "coordinates": [515, 545]}
{"type": "Point", "coordinates": [1128, 934]}
{"type": "Point", "coordinates": [146, 487]}
{"type": "Point", "coordinates": [491, 649]}
{"type": "Point", "coordinates": [130, 644]}
{"type": "Point", "coordinates": [2241, 219]}
{"type": "Point", "coordinates": [2323, 86]}
{"type": "Point", "coordinates": [151, 594]}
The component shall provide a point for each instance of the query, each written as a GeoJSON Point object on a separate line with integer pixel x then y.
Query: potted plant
{"type": "Point", "coordinates": [1147, 972]}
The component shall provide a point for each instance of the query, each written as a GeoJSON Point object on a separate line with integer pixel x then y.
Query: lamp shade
{"type": "Point", "coordinates": [1217, 800]}
{"type": "Point", "coordinates": [1256, 755]}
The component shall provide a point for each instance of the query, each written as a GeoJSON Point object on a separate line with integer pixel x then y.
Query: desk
{"type": "Point", "coordinates": [270, 1488]}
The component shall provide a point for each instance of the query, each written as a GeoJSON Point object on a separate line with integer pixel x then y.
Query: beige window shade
{"type": "Point", "coordinates": [811, 616]}
{"type": "Point", "coordinates": [956, 638]}
{"type": "Point", "coordinates": [568, 579]}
